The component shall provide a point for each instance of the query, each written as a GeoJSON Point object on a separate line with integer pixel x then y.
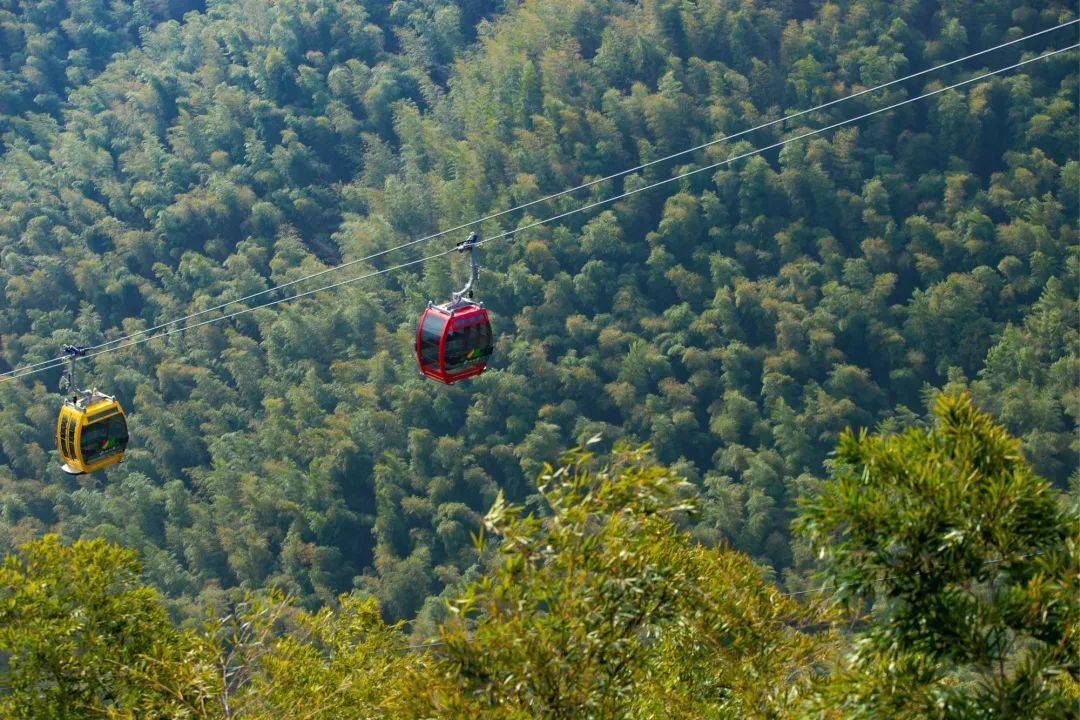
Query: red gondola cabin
{"type": "Point", "coordinates": [453, 344]}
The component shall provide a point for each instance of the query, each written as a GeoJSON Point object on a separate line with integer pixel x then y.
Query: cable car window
{"type": "Point", "coordinates": [484, 344]}
{"type": "Point", "coordinates": [71, 428]}
{"type": "Point", "coordinates": [65, 438]}
{"type": "Point", "coordinates": [430, 335]}
{"type": "Point", "coordinates": [104, 438]}
{"type": "Point", "coordinates": [467, 347]}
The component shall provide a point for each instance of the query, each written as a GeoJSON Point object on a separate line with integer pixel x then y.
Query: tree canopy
{"type": "Point", "coordinates": [970, 559]}
{"type": "Point", "coordinates": [162, 158]}
{"type": "Point", "coordinates": [950, 593]}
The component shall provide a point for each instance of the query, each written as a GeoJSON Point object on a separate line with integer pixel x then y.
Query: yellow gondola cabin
{"type": "Point", "coordinates": [91, 431]}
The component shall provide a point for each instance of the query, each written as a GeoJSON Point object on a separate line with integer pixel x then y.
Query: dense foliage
{"type": "Point", "coordinates": [972, 561]}
{"type": "Point", "coordinates": [78, 630]}
{"type": "Point", "coordinates": [601, 607]}
{"type": "Point", "coordinates": [737, 320]}
{"type": "Point", "coordinates": [597, 605]}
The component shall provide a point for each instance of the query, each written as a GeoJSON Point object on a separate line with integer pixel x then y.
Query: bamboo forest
{"type": "Point", "coordinates": [539, 359]}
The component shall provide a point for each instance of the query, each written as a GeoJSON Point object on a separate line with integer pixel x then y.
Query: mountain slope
{"type": "Point", "coordinates": [737, 320]}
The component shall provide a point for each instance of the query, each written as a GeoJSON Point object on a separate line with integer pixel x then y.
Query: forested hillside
{"type": "Point", "coordinates": [951, 570]}
{"type": "Point", "coordinates": [160, 158]}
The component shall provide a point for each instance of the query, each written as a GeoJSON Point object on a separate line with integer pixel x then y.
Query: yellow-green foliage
{"type": "Point", "coordinates": [971, 563]}
{"type": "Point", "coordinates": [342, 662]}
{"type": "Point", "coordinates": [83, 637]}
{"type": "Point", "coordinates": [597, 604]}
{"type": "Point", "coordinates": [601, 607]}
{"type": "Point", "coordinates": [736, 320]}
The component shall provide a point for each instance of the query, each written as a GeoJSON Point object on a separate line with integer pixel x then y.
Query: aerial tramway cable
{"type": "Point", "coordinates": [781, 143]}
{"type": "Point", "coordinates": [34, 369]}
{"type": "Point", "coordinates": [51, 363]}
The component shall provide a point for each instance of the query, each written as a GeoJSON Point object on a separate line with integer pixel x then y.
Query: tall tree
{"type": "Point", "coordinates": [599, 606]}
{"type": "Point", "coordinates": [969, 561]}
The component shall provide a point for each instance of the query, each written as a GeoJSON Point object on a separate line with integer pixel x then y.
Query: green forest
{"type": "Point", "coordinates": [950, 564]}
{"type": "Point", "coordinates": [850, 362]}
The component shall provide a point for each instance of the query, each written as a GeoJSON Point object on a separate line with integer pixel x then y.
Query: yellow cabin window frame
{"type": "Point", "coordinates": [66, 428]}
{"type": "Point", "coordinates": [69, 435]}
